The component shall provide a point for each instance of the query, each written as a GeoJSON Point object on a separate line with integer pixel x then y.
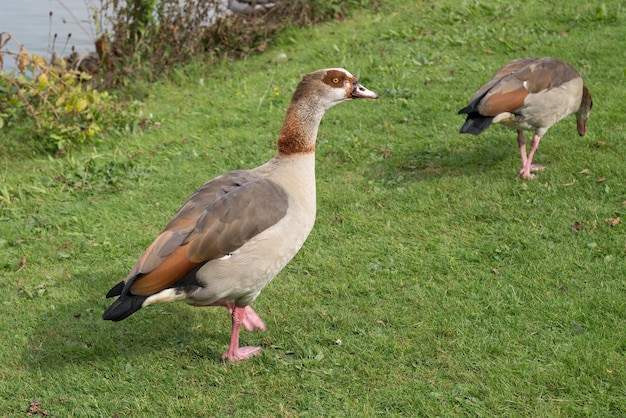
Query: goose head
{"type": "Point", "coordinates": [331, 86]}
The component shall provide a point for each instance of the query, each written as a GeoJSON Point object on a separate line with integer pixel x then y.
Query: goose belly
{"type": "Point", "coordinates": [241, 276]}
{"type": "Point", "coordinates": [544, 109]}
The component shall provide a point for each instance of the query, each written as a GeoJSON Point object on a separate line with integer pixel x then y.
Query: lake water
{"type": "Point", "coordinates": [30, 23]}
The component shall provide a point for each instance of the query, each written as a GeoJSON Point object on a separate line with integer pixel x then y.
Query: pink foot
{"type": "Point", "coordinates": [242, 353]}
{"type": "Point", "coordinates": [253, 321]}
{"type": "Point", "coordinates": [536, 167]}
{"type": "Point", "coordinates": [526, 175]}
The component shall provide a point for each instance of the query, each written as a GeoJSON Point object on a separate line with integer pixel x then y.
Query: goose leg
{"type": "Point", "coordinates": [521, 140]}
{"type": "Point", "coordinates": [241, 316]}
{"type": "Point", "coordinates": [528, 164]}
{"type": "Point", "coordinates": [251, 320]}
{"type": "Point", "coordinates": [234, 352]}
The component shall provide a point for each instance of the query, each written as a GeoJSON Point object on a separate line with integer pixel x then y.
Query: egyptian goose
{"type": "Point", "coordinates": [236, 233]}
{"type": "Point", "coordinates": [529, 94]}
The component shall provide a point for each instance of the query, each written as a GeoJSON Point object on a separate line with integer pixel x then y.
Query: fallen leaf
{"type": "Point", "coordinates": [601, 180]}
{"type": "Point", "coordinates": [34, 408]}
{"type": "Point", "coordinates": [612, 221]}
{"type": "Point", "coordinates": [585, 171]}
{"type": "Point", "coordinates": [576, 226]}
{"type": "Point", "coordinates": [64, 246]}
{"type": "Point", "coordinates": [386, 152]}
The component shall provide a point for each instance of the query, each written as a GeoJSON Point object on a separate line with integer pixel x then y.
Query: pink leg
{"type": "Point", "coordinates": [251, 320]}
{"type": "Point", "coordinates": [521, 140]}
{"type": "Point", "coordinates": [241, 316]}
{"type": "Point", "coordinates": [525, 172]}
{"type": "Point", "coordinates": [234, 352]}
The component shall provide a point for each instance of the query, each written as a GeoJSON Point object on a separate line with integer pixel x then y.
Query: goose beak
{"type": "Point", "coordinates": [360, 92]}
{"type": "Point", "coordinates": [581, 126]}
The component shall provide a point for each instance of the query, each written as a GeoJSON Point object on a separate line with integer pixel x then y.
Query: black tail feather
{"type": "Point", "coordinates": [116, 290]}
{"type": "Point", "coordinates": [476, 123]}
{"type": "Point", "coordinates": [123, 307]}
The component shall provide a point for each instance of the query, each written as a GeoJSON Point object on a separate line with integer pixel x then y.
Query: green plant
{"type": "Point", "coordinates": [58, 106]}
{"type": "Point", "coordinates": [151, 37]}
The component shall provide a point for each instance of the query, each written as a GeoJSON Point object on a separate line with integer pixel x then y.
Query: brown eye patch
{"type": "Point", "coordinates": [334, 78]}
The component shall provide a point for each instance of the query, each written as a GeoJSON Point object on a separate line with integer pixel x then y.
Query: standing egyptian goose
{"type": "Point", "coordinates": [236, 233]}
{"type": "Point", "coordinates": [529, 94]}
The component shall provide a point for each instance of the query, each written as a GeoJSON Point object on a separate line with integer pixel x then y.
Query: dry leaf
{"type": "Point", "coordinates": [612, 221]}
{"type": "Point", "coordinates": [601, 180]}
{"type": "Point", "coordinates": [64, 246]}
{"type": "Point", "coordinates": [22, 263]}
{"type": "Point", "coordinates": [386, 152]}
{"type": "Point", "coordinates": [576, 226]}
{"type": "Point", "coordinates": [22, 59]}
{"type": "Point", "coordinates": [34, 408]}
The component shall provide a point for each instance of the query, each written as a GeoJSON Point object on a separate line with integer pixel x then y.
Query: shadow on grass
{"type": "Point", "coordinates": [74, 332]}
{"type": "Point", "coordinates": [475, 155]}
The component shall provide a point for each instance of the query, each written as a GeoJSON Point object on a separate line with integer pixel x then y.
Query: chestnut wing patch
{"type": "Point", "coordinates": [506, 96]}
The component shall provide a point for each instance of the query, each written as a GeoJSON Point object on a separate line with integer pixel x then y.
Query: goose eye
{"type": "Point", "coordinates": [335, 80]}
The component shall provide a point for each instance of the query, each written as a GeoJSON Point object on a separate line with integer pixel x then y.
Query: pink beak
{"type": "Point", "coordinates": [581, 126]}
{"type": "Point", "coordinates": [361, 92]}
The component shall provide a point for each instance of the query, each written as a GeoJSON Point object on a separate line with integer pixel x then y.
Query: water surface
{"type": "Point", "coordinates": [30, 23]}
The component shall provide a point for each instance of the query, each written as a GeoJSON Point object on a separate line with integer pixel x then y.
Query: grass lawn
{"type": "Point", "coordinates": [435, 283]}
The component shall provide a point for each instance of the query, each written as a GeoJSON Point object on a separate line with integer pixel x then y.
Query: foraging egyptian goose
{"type": "Point", "coordinates": [529, 94]}
{"type": "Point", "coordinates": [236, 233]}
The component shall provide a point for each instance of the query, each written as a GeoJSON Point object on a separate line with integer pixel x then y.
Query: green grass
{"type": "Point", "coordinates": [435, 283]}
